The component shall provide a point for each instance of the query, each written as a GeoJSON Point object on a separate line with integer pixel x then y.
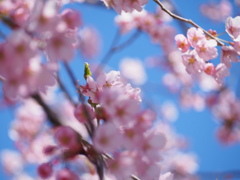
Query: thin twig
{"type": "Point", "coordinates": [113, 49]}
{"type": "Point", "coordinates": [189, 21]}
{"type": "Point", "coordinates": [65, 91]}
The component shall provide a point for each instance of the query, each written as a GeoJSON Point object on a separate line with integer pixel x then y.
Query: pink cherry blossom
{"type": "Point", "coordinates": [229, 55]}
{"type": "Point", "coordinates": [21, 48]}
{"type": "Point", "coordinates": [206, 49]}
{"type": "Point", "coordinates": [66, 174]}
{"type": "Point", "coordinates": [44, 19]}
{"type": "Point", "coordinates": [217, 11]}
{"type": "Point", "coordinates": [45, 170]}
{"type": "Point", "coordinates": [66, 137]}
{"type": "Point", "coordinates": [194, 36]}
{"type": "Point", "coordinates": [29, 79]}
{"type": "Point", "coordinates": [183, 163]}
{"type": "Point", "coordinates": [125, 22]}
{"type": "Point", "coordinates": [182, 42]}
{"type": "Point", "coordinates": [107, 138]}
{"type": "Point", "coordinates": [125, 5]}
{"type": "Point", "coordinates": [236, 46]}
{"type": "Point", "coordinates": [151, 145]}
{"type": "Point", "coordinates": [89, 37]}
{"type": "Point", "coordinates": [60, 47]}
{"type": "Point", "coordinates": [221, 72]}
{"type": "Point", "coordinates": [83, 112]}
{"type": "Point", "coordinates": [29, 118]}
{"type": "Point", "coordinates": [11, 161]}
{"type": "Point", "coordinates": [233, 27]}
{"type": "Point", "coordinates": [71, 18]}
{"type": "Point", "coordinates": [209, 68]}
{"type": "Point", "coordinates": [193, 63]}
{"type": "Point", "coordinates": [121, 166]}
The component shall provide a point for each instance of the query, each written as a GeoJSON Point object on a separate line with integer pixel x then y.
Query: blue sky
{"type": "Point", "coordinates": [198, 127]}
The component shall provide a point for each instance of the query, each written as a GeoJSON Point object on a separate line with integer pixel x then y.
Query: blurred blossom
{"type": "Point", "coordinates": [169, 111]}
{"type": "Point", "coordinates": [133, 69]}
{"type": "Point", "coordinates": [183, 163]}
{"type": "Point", "coordinates": [190, 100]}
{"type": "Point", "coordinates": [23, 176]}
{"type": "Point", "coordinates": [11, 161]}
{"type": "Point", "coordinates": [217, 12]}
{"type": "Point", "coordinates": [28, 121]}
{"type": "Point", "coordinates": [208, 83]}
{"type": "Point", "coordinates": [89, 42]}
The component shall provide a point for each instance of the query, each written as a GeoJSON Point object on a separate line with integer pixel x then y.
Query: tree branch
{"type": "Point", "coordinates": [189, 21]}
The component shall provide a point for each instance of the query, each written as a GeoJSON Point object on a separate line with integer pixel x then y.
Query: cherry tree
{"type": "Point", "coordinates": [76, 117]}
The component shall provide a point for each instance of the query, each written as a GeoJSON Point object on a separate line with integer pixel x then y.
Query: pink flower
{"type": "Point", "coordinates": [147, 169]}
{"type": "Point", "coordinates": [209, 68]}
{"type": "Point", "coordinates": [151, 145]}
{"type": "Point", "coordinates": [121, 166]}
{"type": "Point", "coordinates": [217, 11]}
{"type": "Point", "coordinates": [119, 107]}
{"type": "Point", "coordinates": [66, 137]}
{"type": "Point", "coordinates": [66, 174]}
{"type": "Point", "coordinates": [132, 137]}
{"type": "Point", "coordinates": [32, 78]}
{"type": "Point", "coordinates": [182, 42]}
{"type": "Point", "coordinates": [206, 49]}
{"type": "Point", "coordinates": [83, 112]}
{"type": "Point", "coordinates": [233, 27]}
{"type": "Point", "coordinates": [20, 48]}
{"type": "Point", "coordinates": [183, 164]}
{"type": "Point", "coordinates": [221, 72]}
{"type": "Point", "coordinates": [89, 37]}
{"type": "Point", "coordinates": [194, 36]}
{"type": "Point", "coordinates": [125, 22]}
{"type": "Point", "coordinates": [45, 170]}
{"type": "Point", "coordinates": [11, 161]}
{"type": "Point", "coordinates": [193, 63]}
{"type": "Point", "coordinates": [107, 138]}
{"type": "Point", "coordinates": [44, 17]}
{"type": "Point", "coordinates": [229, 55]}
{"type": "Point", "coordinates": [60, 47]}
{"type": "Point", "coordinates": [236, 46]}
{"type": "Point", "coordinates": [71, 18]}
{"type": "Point", "coordinates": [125, 5]}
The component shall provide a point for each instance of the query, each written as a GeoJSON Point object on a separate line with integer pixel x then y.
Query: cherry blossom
{"type": "Point", "coordinates": [193, 63]}
{"type": "Point", "coordinates": [126, 6]}
{"type": "Point", "coordinates": [194, 36]}
{"type": "Point", "coordinates": [233, 27]}
{"type": "Point", "coordinates": [107, 138]}
{"type": "Point", "coordinates": [45, 170]}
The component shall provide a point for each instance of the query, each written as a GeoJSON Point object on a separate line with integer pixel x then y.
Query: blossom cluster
{"type": "Point", "coordinates": [203, 50]}
{"type": "Point", "coordinates": [125, 5]}
{"type": "Point", "coordinates": [40, 37]}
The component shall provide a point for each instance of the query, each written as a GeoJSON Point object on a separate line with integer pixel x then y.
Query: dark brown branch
{"type": "Point", "coordinates": [52, 117]}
